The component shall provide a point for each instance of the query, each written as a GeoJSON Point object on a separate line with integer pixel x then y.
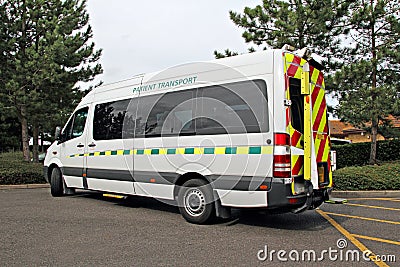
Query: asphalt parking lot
{"type": "Point", "coordinates": [89, 229]}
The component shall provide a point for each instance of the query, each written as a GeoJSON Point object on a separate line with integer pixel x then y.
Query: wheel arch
{"type": "Point", "coordinates": [50, 169]}
{"type": "Point", "coordinates": [183, 178]}
{"type": "Point", "coordinates": [221, 211]}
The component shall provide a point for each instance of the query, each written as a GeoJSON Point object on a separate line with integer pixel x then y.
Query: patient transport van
{"type": "Point", "coordinates": [248, 131]}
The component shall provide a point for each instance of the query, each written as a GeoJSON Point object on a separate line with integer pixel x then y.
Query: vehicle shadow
{"type": "Point", "coordinates": [308, 220]}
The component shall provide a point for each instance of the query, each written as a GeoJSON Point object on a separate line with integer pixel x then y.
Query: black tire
{"type": "Point", "coordinates": [196, 204]}
{"type": "Point", "coordinates": [56, 183]}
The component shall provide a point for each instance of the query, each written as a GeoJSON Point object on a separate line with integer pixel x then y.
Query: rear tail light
{"type": "Point", "coordinates": [282, 164]}
{"type": "Point", "coordinates": [282, 168]}
{"type": "Point", "coordinates": [282, 139]}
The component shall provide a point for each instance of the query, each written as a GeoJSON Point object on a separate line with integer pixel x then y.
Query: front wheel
{"type": "Point", "coordinates": [58, 187]}
{"type": "Point", "coordinates": [56, 183]}
{"type": "Point", "coordinates": [196, 203]}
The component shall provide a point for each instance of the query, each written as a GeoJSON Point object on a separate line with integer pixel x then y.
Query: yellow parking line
{"type": "Point", "coordinates": [372, 207]}
{"type": "Point", "coordinates": [378, 239]}
{"type": "Point", "coordinates": [376, 198]}
{"type": "Point", "coordinates": [362, 218]}
{"type": "Point", "coordinates": [350, 237]}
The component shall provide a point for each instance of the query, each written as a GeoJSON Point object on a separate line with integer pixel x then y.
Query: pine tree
{"type": "Point", "coordinates": [368, 85]}
{"type": "Point", "coordinates": [50, 48]}
{"type": "Point", "coordinates": [315, 24]}
{"type": "Point", "coordinates": [227, 53]}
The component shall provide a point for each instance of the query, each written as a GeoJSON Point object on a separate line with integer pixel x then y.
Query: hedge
{"type": "Point", "coordinates": [357, 154]}
{"type": "Point", "coordinates": [13, 170]}
{"type": "Point", "coordinates": [378, 177]}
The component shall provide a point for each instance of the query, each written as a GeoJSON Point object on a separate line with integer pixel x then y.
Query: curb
{"type": "Point", "coordinates": [24, 186]}
{"type": "Point", "coordinates": [366, 194]}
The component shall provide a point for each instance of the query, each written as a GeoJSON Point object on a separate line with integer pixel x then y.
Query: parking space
{"type": "Point", "coordinates": [371, 224]}
{"type": "Point", "coordinates": [89, 229]}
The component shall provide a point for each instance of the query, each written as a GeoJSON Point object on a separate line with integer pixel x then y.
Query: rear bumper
{"type": "Point", "coordinates": [281, 196]}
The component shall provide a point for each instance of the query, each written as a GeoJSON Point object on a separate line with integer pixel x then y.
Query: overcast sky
{"type": "Point", "coordinates": [146, 36]}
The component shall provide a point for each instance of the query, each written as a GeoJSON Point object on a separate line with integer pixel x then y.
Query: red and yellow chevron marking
{"type": "Point", "coordinates": [322, 147]}
{"type": "Point", "coordinates": [287, 109]}
{"type": "Point", "coordinates": [296, 137]}
{"type": "Point", "coordinates": [320, 119]}
{"type": "Point", "coordinates": [297, 164]}
{"type": "Point", "coordinates": [293, 69]}
{"type": "Point", "coordinates": [318, 102]}
{"type": "Point", "coordinates": [293, 65]}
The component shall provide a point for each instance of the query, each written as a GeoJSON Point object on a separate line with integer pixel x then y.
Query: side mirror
{"type": "Point", "coordinates": [57, 134]}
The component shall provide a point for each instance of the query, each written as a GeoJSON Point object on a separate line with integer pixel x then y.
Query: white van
{"type": "Point", "coordinates": [246, 131]}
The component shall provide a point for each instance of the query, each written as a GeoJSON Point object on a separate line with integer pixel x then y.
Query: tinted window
{"type": "Point", "coordinates": [168, 114]}
{"type": "Point", "coordinates": [76, 125]}
{"type": "Point", "coordinates": [108, 120]}
{"type": "Point", "coordinates": [233, 108]}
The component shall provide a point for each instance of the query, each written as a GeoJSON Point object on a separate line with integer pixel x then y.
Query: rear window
{"type": "Point", "coordinates": [233, 108]}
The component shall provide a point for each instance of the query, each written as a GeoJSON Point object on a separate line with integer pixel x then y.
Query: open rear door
{"type": "Point", "coordinates": [307, 125]}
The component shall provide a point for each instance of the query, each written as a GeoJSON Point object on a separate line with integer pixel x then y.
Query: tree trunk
{"type": "Point", "coordinates": [374, 131]}
{"type": "Point", "coordinates": [41, 142]}
{"type": "Point", "coordinates": [24, 135]}
{"type": "Point", "coordinates": [35, 143]}
{"type": "Point", "coordinates": [375, 120]}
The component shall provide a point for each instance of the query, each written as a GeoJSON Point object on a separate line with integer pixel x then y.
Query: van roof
{"type": "Point", "coordinates": [168, 73]}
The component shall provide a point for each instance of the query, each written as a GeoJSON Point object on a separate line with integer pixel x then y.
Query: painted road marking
{"type": "Point", "coordinates": [376, 198]}
{"type": "Point", "coordinates": [362, 218]}
{"type": "Point", "coordinates": [350, 237]}
{"type": "Point", "coordinates": [378, 239]}
{"type": "Point", "coordinates": [372, 207]}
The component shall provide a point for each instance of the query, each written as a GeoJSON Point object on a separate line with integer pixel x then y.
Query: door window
{"type": "Point", "coordinates": [76, 125]}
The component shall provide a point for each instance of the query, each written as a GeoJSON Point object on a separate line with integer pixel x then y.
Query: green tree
{"type": "Point", "coordinates": [368, 85]}
{"type": "Point", "coordinates": [227, 53]}
{"type": "Point", "coordinates": [49, 50]}
{"type": "Point", "coordinates": [316, 24]}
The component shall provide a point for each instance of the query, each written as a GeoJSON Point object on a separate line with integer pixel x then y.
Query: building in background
{"type": "Point", "coordinates": [344, 130]}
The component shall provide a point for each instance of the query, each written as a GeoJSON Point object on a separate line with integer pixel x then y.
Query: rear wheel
{"type": "Point", "coordinates": [196, 203]}
{"type": "Point", "coordinates": [56, 183]}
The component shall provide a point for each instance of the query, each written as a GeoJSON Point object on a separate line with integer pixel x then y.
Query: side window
{"type": "Point", "coordinates": [108, 120]}
{"type": "Point", "coordinates": [76, 125]}
{"type": "Point", "coordinates": [233, 108]}
{"type": "Point", "coordinates": [168, 114]}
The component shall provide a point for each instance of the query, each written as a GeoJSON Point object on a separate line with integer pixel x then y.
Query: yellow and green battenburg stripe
{"type": "Point", "coordinates": [237, 150]}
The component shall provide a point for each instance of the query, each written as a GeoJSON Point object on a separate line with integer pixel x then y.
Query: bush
{"type": "Point", "coordinates": [358, 154]}
{"type": "Point", "coordinates": [383, 177]}
{"type": "Point", "coordinates": [13, 170]}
